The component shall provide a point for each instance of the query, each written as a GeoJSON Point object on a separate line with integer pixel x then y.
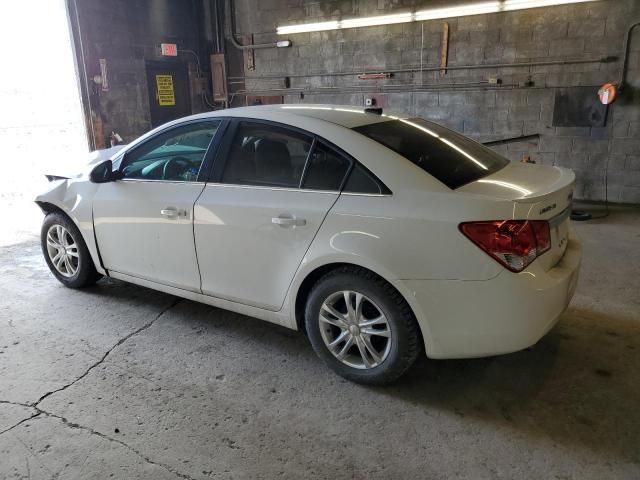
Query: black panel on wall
{"type": "Point", "coordinates": [578, 107]}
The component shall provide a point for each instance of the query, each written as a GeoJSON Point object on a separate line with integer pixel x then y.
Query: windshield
{"type": "Point", "coordinates": [452, 158]}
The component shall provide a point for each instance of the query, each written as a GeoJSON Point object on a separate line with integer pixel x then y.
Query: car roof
{"type": "Point", "coordinates": [347, 116]}
{"type": "Point", "coordinates": [333, 123]}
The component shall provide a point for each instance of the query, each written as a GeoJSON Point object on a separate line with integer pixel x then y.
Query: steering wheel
{"type": "Point", "coordinates": [178, 165]}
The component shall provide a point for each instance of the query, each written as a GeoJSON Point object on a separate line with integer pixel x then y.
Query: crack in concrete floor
{"type": "Point", "coordinates": [106, 354]}
{"type": "Point", "coordinates": [39, 411]}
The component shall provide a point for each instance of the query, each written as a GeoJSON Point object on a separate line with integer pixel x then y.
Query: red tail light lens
{"type": "Point", "coordinates": [513, 243]}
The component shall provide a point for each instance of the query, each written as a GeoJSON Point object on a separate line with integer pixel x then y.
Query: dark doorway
{"type": "Point", "coordinates": [168, 85]}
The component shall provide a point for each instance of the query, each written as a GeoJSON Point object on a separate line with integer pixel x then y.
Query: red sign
{"type": "Point", "coordinates": [169, 49]}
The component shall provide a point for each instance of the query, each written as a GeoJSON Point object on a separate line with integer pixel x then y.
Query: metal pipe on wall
{"type": "Point", "coordinates": [625, 57]}
{"type": "Point", "coordinates": [379, 89]}
{"type": "Point", "coordinates": [432, 68]}
{"type": "Point", "coordinates": [254, 46]}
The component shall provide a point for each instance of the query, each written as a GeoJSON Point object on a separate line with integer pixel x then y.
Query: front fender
{"type": "Point", "coordinates": [75, 199]}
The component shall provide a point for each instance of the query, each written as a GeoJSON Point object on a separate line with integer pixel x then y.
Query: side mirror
{"type": "Point", "coordinates": [103, 173]}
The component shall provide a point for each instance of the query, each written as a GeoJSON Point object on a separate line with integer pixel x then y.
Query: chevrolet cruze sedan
{"type": "Point", "coordinates": [375, 234]}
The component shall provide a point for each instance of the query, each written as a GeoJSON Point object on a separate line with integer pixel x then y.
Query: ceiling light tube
{"type": "Point", "coordinates": [308, 27]}
{"type": "Point", "coordinates": [461, 11]}
{"type": "Point", "coordinates": [380, 20]}
{"type": "Point", "coordinates": [428, 14]}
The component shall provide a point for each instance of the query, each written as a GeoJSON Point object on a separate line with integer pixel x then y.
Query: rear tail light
{"type": "Point", "coordinates": [513, 243]}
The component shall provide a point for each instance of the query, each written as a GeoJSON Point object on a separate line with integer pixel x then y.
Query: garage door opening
{"type": "Point", "coordinates": [41, 121]}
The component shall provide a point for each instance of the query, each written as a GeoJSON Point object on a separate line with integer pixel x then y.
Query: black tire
{"type": "Point", "coordinates": [405, 340]}
{"type": "Point", "coordinates": [86, 273]}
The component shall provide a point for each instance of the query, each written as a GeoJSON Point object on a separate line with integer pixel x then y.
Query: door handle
{"type": "Point", "coordinates": [173, 212]}
{"type": "Point", "coordinates": [288, 221]}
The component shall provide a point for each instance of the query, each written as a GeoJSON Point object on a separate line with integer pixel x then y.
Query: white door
{"type": "Point", "coordinates": [253, 226]}
{"type": "Point", "coordinates": [144, 222]}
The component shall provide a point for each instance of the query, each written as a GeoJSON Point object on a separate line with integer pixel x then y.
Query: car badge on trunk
{"type": "Point", "coordinates": [547, 208]}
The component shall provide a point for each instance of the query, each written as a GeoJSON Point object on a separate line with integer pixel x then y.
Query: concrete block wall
{"type": "Point", "coordinates": [572, 32]}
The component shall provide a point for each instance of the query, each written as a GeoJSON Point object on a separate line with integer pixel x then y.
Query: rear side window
{"type": "Point", "coordinates": [361, 181]}
{"type": "Point", "coordinates": [453, 159]}
{"type": "Point", "coordinates": [326, 169]}
{"type": "Point", "coordinates": [266, 155]}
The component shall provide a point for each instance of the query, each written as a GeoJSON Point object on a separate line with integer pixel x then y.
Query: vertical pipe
{"type": "Point", "coordinates": [421, 50]}
{"type": "Point", "coordinates": [625, 58]}
{"type": "Point", "coordinates": [216, 23]}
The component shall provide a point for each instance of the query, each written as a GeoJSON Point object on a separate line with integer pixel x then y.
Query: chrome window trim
{"type": "Point", "coordinates": [284, 189]}
{"type": "Point", "coordinates": [355, 194]}
{"type": "Point", "coordinates": [151, 180]}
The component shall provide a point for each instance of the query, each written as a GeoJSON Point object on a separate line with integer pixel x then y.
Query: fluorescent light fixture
{"type": "Point", "coordinates": [461, 11]}
{"type": "Point", "coordinates": [428, 14]}
{"type": "Point", "coordinates": [380, 20]}
{"type": "Point", "coordinates": [308, 27]}
{"type": "Point", "coordinates": [283, 43]}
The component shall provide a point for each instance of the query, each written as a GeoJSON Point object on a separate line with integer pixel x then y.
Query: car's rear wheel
{"type": "Point", "coordinates": [361, 326]}
{"type": "Point", "coordinates": [66, 252]}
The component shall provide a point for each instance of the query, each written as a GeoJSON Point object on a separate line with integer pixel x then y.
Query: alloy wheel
{"type": "Point", "coordinates": [355, 330]}
{"type": "Point", "coordinates": [62, 250]}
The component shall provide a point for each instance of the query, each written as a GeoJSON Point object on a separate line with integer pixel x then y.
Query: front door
{"type": "Point", "coordinates": [168, 85]}
{"type": "Point", "coordinates": [254, 224]}
{"type": "Point", "coordinates": [144, 222]}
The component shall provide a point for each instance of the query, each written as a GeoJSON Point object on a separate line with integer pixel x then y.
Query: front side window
{"type": "Point", "coordinates": [453, 159]}
{"type": "Point", "coordinates": [175, 155]}
{"type": "Point", "coordinates": [266, 155]}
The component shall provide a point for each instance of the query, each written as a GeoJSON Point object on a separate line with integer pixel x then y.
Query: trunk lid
{"type": "Point", "coordinates": [539, 192]}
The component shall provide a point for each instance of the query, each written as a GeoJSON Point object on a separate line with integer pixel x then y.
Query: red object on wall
{"type": "Point", "coordinates": [607, 93]}
{"type": "Point", "coordinates": [169, 49]}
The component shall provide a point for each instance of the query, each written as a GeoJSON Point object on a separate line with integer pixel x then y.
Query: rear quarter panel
{"type": "Point", "coordinates": [411, 235]}
{"type": "Point", "coordinates": [408, 235]}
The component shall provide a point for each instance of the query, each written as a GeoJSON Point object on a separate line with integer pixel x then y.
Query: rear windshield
{"type": "Point", "coordinates": [453, 159]}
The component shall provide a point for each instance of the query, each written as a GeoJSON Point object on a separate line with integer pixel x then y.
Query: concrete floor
{"type": "Point", "coordinates": [119, 381]}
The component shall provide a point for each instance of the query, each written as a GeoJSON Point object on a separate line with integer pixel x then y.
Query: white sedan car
{"type": "Point", "coordinates": [377, 235]}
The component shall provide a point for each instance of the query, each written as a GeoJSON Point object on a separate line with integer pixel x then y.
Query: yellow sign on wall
{"type": "Point", "coordinates": [165, 93]}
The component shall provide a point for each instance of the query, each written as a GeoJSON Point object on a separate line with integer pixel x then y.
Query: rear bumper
{"type": "Point", "coordinates": [501, 315]}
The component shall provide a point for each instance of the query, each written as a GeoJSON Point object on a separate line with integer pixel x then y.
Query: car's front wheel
{"type": "Point", "coordinates": [66, 253]}
{"type": "Point", "coordinates": [361, 326]}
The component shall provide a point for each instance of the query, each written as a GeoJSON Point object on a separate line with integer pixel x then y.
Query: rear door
{"type": "Point", "coordinates": [144, 222]}
{"type": "Point", "coordinates": [271, 189]}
